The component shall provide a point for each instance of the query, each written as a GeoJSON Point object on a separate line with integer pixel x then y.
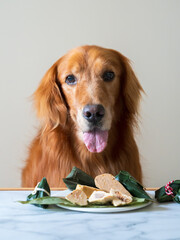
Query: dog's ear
{"type": "Point", "coordinates": [131, 89]}
{"type": "Point", "coordinates": [49, 102]}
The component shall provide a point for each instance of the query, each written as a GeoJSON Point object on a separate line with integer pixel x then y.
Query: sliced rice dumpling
{"type": "Point", "coordinates": [120, 198]}
{"type": "Point", "coordinates": [86, 189]}
{"type": "Point", "coordinates": [106, 182]}
{"type": "Point", "coordinates": [100, 197]}
{"type": "Point", "coordinates": [77, 197]}
{"type": "Point", "coordinates": [132, 185]}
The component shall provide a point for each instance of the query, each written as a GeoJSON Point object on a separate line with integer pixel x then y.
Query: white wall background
{"type": "Point", "coordinates": [34, 34]}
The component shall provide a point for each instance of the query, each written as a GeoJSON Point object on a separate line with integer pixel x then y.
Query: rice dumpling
{"type": "Point", "coordinates": [100, 197]}
{"type": "Point", "coordinates": [106, 182]}
{"type": "Point", "coordinates": [77, 197]}
{"type": "Point", "coordinates": [86, 189]}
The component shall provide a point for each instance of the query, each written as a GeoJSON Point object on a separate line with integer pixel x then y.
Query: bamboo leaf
{"type": "Point", "coordinates": [41, 190]}
{"type": "Point", "coordinates": [48, 201]}
{"type": "Point", "coordinates": [161, 195]}
{"type": "Point", "coordinates": [62, 201]}
{"type": "Point", "coordinates": [177, 197]}
{"type": "Point", "coordinates": [77, 176]}
{"type": "Point", "coordinates": [132, 185]}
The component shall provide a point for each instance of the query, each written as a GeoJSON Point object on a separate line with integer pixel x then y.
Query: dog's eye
{"type": "Point", "coordinates": [108, 76]}
{"type": "Point", "coordinates": [71, 80]}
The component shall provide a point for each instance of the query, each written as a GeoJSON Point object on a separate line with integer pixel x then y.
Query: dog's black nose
{"type": "Point", "coordinates": [93, 113]}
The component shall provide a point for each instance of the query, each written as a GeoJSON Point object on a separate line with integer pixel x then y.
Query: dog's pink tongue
{"type": "Point", "coordinates": [96, 140]}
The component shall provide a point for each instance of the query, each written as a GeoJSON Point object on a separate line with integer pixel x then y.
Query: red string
{"type": "Point", "coordinates": [168, 189]}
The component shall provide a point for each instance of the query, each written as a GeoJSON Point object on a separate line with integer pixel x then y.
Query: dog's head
{"type": "Point", "coordinates": [91, 86]}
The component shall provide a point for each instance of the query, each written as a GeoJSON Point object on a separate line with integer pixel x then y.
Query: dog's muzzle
{"type": "Point", "coordinates": [95, 139]}
{"type": "Point", "coordinates": [93, 113]}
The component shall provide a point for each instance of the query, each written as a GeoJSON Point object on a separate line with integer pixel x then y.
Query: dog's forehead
{"type": "Point", "coordinates": [76, 60]}
{"type": "Point", "coordinates": [90, 57]}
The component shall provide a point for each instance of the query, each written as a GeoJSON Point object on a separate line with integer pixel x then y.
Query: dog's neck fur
{"type": "Point", "coordinates": [51, 146]}
{"type": "Point", "coordinates": [117, 156]}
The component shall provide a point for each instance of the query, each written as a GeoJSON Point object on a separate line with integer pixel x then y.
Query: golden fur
{"type": "Point", "coordinates": [58, 145]}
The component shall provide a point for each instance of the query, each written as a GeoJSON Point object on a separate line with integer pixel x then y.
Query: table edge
{"type": "Point", "coordinates": [56, 189]}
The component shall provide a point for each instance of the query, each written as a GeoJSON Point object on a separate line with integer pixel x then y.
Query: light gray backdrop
{"type": "Point", "coordinates": [34, 34]}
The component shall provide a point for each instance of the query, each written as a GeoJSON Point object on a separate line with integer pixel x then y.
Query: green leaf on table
{"type": "Point", "coordinates": [135, 202]}
{"type": "Point", "coordinates": [177, 197]}
{"type": "Point", "coordinates": [62, 201]}
{"type": "Point", "coordinates": [48, 201]}
{"type": "Point", "coordinates": [161, 195]}
{"type": "Point", "coordinates": [77, 176]}
{"type": "Point", "coordinates": [41, 190]}
{"type": "Point", "coordinates": [132, 185]}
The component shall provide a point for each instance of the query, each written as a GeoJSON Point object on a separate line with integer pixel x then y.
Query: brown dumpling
{"type": "Point", "coordinates": [106, 182]}
{"type": "Point", "coordinates": [86, 189]}
{"type": "Point", "coordinates": [120, 198]}
{"type": "Point", "coordinates": [100, 197]}
{"type": "Point", "coordinates": [77, 197]}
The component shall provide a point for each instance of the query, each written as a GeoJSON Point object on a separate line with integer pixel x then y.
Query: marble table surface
{"type": "Point", "coordinates": [18, 221]}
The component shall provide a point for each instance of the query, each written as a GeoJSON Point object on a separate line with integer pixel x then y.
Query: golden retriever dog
{"type": "Point", "coordinates": [88, 106]}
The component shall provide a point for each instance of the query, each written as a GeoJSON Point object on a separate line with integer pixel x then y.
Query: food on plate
{"type": "Point", "coordinates": [117, 198]}
{"type": "Point", "coordinates": [105, 191]}
{"type": "Point", "coordinates": [100, 197]}
{"type": "Point", "coordinates": [77, 176]}
{"type": "Point", "coordinates": [77, 197]}
{"type": "Point", "coordinates": [86, 189]}
{"type": "Point", "coordinates": [109, 190]}
{"type": "Point", "coordinates": [120, 198]}
{"type": "Point", "coordinates": [106, 182]}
